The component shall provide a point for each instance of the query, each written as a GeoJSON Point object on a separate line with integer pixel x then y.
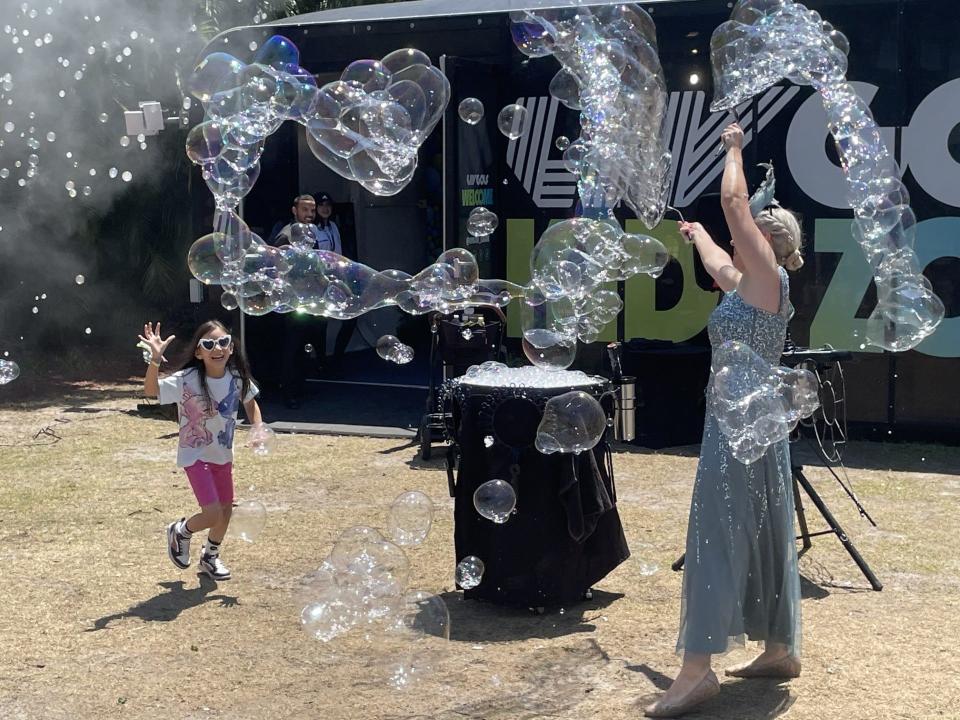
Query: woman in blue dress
{"type": "Point", "coordinates": [740, 577]}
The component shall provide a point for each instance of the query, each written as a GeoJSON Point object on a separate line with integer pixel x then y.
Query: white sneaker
{"type": "Point", "coordinates": [212, 566]}
{"type": "Point", "coordinates": [178, 547]}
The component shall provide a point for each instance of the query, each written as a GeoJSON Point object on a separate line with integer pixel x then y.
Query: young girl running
{"type": "Point", "coordinates": [207, 390]}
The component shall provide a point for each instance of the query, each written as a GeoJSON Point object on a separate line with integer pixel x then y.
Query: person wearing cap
{"type": "Point", "coordinates": [328, 238]}
{"type": "Point", "coordinates": [328, 234]}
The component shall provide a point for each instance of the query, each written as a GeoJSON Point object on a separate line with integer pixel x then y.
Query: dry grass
{"type": "Point", "coordinates": [98, 624]}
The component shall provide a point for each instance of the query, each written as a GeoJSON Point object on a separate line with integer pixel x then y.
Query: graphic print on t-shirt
{"type": "Point", "coordinates": [228, 408]}
{"type": "Point", "coordinates": [194, 433]}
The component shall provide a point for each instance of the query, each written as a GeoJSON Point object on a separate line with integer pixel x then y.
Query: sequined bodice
{"type": "Point", "coordinates": [764, 332]}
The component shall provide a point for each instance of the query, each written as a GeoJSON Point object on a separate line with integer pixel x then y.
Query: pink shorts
{"type": "Point", "coordinates": [211, 483]}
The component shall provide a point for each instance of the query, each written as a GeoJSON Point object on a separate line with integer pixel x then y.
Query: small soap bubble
{"type": "Point", "coordinates": [263, 439]}
{"type": "Point", "coordinates": [470, 110]}
{"type": "Point", "coordinates": [512, 121]}
{"type": "Point", "coordinates": [482, 222]}
{"type": "Point", "coordinates": [410, 518]}
{"type": "Point", "coordinates": [391, 349]}
{"type": "Point", "coordinates": [495, 500]}
{"type": "Point", "coordinates": [9, 371]}
{"type": "Point", "coordinates": [229, 301]}
{"type": "Point", "coordinates": [247, 520]}
{"type": "Point", "coordinates": [469, 572]}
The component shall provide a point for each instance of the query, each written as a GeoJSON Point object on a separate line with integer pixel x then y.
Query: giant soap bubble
{"type": "Point", "coordinates": [571, 423]}
{"type": "Point", "coordinates": [366, 126]}
{"type": "Point", "coordinates": [756, 403]}
{"type": "Point", "coordinates": [768, 40]}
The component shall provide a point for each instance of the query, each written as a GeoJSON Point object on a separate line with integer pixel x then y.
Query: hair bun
{"type": "Point", "coordinates": [793, 261]}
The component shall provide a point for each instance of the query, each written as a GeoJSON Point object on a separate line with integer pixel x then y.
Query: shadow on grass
{"type": "Point", "coordinates": [36, 392]}
{"type": "Point", "coordinates": [757, 699]}
{"type": "Point", "coordinates": [811, 590]}
{"type": "Point", "coordinates": [167, 606]}
{"type": "Point", "coordinates": [475, 621]}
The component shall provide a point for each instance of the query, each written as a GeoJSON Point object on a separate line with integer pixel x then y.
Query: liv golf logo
{"type": "Point", "coordinates": [693, 143]}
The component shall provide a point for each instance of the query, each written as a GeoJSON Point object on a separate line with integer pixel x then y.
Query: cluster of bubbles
{"type": "Point", "coordinates": [392, 350]}
{"type": "Point", "coordinates": [611, 73]}
{"type": "Point", "coordinates": [259, 278]}
{"type": "Point", "coordinates": [496, 374]}
{"type": "Point", "coordinates": [758, 404]}
{"type": "Point", "coordinates": [564, 301]}
{"type": "Point", "coordinates": [571, 423]}
{"type": "Point", "coordinates": [362, 584]}
{"type": "Point", "coordinates": [572, 294]}
{"type": "Point", "coordinates": [9, 371]}
{"type": "Point", "coordinates": [495, 500]}
{"type": "Point", "coordinates": [248, 520]}
{"type": "Point", "coordinates": [768, 40]}
{"type": "Point", "coordinates": [367, 126]}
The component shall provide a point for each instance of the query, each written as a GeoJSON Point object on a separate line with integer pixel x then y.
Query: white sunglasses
{"type": "Point", "coordinates": [210, 343]}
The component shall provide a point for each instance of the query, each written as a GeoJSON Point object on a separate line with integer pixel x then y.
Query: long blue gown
{"type": "Point", "coordinates": [740, 577]}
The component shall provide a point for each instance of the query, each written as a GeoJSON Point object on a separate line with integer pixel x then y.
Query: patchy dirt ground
{"type": "Point", "coordinates": [98, 624]}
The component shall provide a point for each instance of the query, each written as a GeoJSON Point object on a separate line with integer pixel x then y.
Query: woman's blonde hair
{"type": "Point", "coordinates": [785, 235]}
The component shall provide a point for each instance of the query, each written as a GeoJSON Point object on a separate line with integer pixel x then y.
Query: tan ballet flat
{"type": "Point", "coordinates": [787, 667]}
{"type": "Point", "coordinates": [704, 690]}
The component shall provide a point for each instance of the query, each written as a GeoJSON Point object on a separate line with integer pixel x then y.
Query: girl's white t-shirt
{"type": "Point", "coordinates": [206, 431]}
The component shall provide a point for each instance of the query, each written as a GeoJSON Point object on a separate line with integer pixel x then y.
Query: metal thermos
{"type": "Point", "coordinates": [625, 397]}
{"type": "Point", "coordinates": [625, 403]}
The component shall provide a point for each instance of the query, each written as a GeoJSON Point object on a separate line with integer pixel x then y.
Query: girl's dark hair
{"type": "Point", "coordinates": [237, 363]}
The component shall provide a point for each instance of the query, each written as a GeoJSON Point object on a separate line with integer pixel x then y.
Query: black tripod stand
{"type": "Point", "coordinates": [829, 422]}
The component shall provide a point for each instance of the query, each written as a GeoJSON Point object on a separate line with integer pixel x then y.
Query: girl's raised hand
{"type": "Point", "coordinates": [156, 344]}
